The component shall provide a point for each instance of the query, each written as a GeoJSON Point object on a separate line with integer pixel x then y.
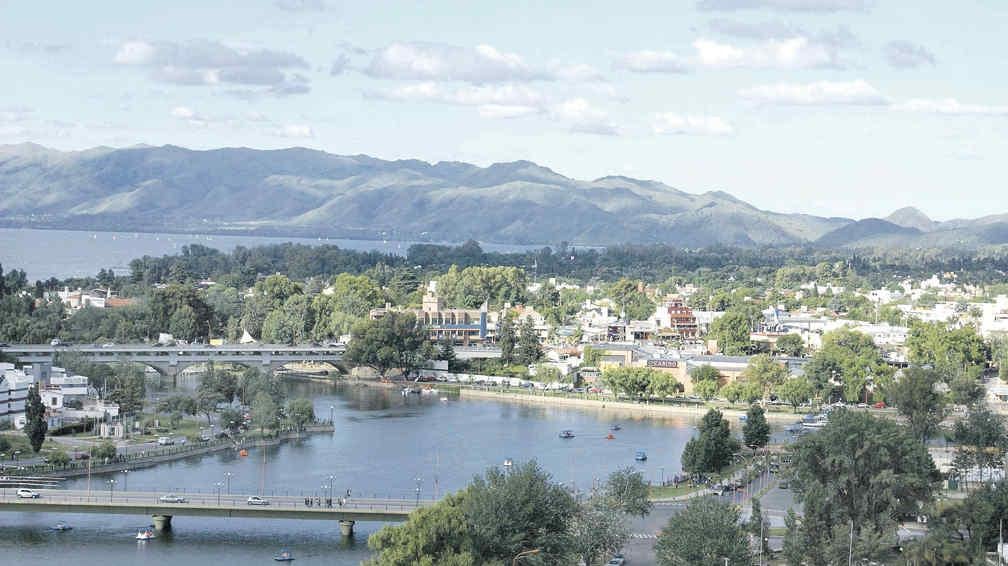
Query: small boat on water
{"type": "Point", "coordinates": [615, 427]}
{"type": "Point", "coordinates": [610, 436]}
{"type": "Point", "coordinates": [284, 556]}
{"type": "Point", "coordinates": [60, 526]}
{"type": "Point", "coordinates": [641, 456]}
{"type": "Point", "coordinates": [145, 534]}
{"type": "Point", "coordinates": [567, 434]}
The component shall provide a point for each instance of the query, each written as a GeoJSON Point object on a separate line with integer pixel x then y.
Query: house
{"type": "Point", "coordinates": [675, 320]}
{"type": "Point", "coordinates": [13, 392]}
{"type": "Point", "coordinates": [460, 326]}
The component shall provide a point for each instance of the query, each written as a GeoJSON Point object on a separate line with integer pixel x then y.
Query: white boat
{"type": "Point", "coordinates": [816, 423]}
{"type": "Point", "coordinates": [145, 534]}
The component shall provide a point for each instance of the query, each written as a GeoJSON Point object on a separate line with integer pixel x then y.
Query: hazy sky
{"type": "Point", "coordinates": [833, 107]}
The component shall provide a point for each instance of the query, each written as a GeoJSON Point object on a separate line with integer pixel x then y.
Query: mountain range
{"type": "Point", "coordinates": [305, 192]}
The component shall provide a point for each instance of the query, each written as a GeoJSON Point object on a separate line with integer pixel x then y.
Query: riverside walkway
{"type": "Point", "coordinates": [208, 505]}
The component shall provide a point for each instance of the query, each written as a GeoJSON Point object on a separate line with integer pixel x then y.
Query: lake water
{"type": "Point", "coordinates": [382, 442]}
{"type": "Point", "coordinates": [69, 253]}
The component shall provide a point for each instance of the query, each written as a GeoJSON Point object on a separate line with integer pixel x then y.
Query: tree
{"type": "Point", "coordinates": [706, 533]}
{"type": "Point", "coordinates": [731, 330]}
{"type": "Point", "coordinates": [530, 349]}
{"type": "Point", "coordinates": [712, 449]}
{"type": "Point", "coordinates": [706, 389]}
{"type": "Point", "coordinates": [36, 424]}
{"type": "Point", "coordinates": [207, 399]}
{"type": "Point", "coordinates": [104, 450]}
{"type": "Point", "coordinates": [981, 438]}
{"type": "Point", "coordinates": [860, 470]}
{"type": "Point", "coordinates": [597, 530]}
{"type": "Point", "coordinates": [756, 430]}
{"type": "Point", "coordinates": [394, 341]}
{"type": "Point", "coordinates": [848, 360]}
{"type": "Point", "coordinates": [704, 372]}
{"type": "Point", "coordinates": [915, 396]}
{"type": "Point", "coordinates": [628, 492]}
{"type": "Point", "coordinates": [630, 381]}
{"type": "Point", "coordinates": [507, 339]}
{"type": "Point", "coordinates": [631, 299]}
{"type": "Point", "coordinates": [966, 389]}
{"type": "Point", "coordinates": [264, 412]}
{"type": "Point", "coordinates": [592, 356]}
{"type": "Point", "coordinates": [300, 412]}
{"type": "Point", "coordinates": [59, 457]}
{"type": "Point", "coordinates": [446, 351]}
{"type": "Point", "coordinates": [520, 510]}
{"type": "Point", "coordinates": [796, 391]}
{"type": "Point", "coordinates": [952, 351]}
{"type": "Point", "coordinates": [432, 535]}
{"type": "Point", "coordinates": [766, 372]}
{"type": "Point", "coordinates": [791, 345]}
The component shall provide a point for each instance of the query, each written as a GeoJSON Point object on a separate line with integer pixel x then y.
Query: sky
{"type": "Point", "coordinates": [831, 107]}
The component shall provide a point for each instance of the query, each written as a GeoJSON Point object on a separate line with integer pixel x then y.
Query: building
{"type": "Point", "coordinates": [94, 298]}
{"type": "Point", "coordinates": [13, 392]}
{"type": "Point", "coordinates": [675, 320]}
{"type": "Point", "coordinates": [460, 326]}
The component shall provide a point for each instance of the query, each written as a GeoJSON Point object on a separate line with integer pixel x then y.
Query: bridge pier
{"type": "Point", "coordinates": [162, 522]}
{"type": "Point", "coordinates": [346, 528]}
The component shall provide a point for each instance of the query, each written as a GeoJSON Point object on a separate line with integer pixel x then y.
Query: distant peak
{"type": "Point", "coordinates": [911, 217]}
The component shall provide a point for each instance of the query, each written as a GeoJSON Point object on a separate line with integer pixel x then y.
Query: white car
{"type": "Point", "coordinates": [27, 494]}
{"type": "Point", "coordinates": [256, 500]}
{"type": "Point", "coordinates": [172, 498]}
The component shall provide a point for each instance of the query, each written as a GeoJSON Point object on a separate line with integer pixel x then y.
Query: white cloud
{"type": "Point", "coordinates": [204, 62]}
{"type": "Point", "coordinates": [670, 123]}
{"type": "Point", "coordinates": [950, 106]}
{"type": "Point", "coordinates": [786, 5]}
{"type": "Point", "coordinates": [857, 92]}
{"type": "Point", "coordinates": [467, 95]}
{"type": "Point", "coordinates": [793, 53]}
{"type": "Point", "coordinates": [576, 72]}
{"type": "Point", "coordinates": [906, 55]}
{"type": "Point", "coordinates": [301, 5]}
{"type": "Point", "coordinates": [581, 116]}
{"type": "Point", "coordinates": [294, 131]}
{"type": "Point", "coordinates": [755, 30]}
{"type": "Point", "coordinates": [190, 116]}
{"type": "Point", "coordinates": [648, 61]}
{"type": "Point", "coordinates": [506, 111]}
{"type": "Point", "coordinates": [436, 61]}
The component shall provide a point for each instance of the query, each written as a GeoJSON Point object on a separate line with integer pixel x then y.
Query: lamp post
{"type": "Point", "coordinates": [228, 475]}
{"type": "Point", "coordinates": [332, 408]}
{"type": "Point", "coordinates": [126, 479]}
{"type": "Point", "coordinates": [418, 480]}
{"type": "Point", "coordinates": [332, 493]}
{"type": "Point", "coordinates": [111, 484]}
{"type": "Point", "coordinates": [219, 485]}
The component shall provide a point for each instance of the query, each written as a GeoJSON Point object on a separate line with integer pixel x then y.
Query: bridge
{"type": "Point", "coordinates": [208, 505]}
{"type": "Point", "coordinates": [170, 360]}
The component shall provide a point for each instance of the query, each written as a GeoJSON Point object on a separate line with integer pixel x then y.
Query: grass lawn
{"type": "Point", "coordinates": [668, 491]}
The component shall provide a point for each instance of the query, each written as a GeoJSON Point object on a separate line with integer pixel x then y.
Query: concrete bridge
{"type": "Point", "coordinates": [207, 505]}
{"type": "Point", "coordinates": [169, 360]}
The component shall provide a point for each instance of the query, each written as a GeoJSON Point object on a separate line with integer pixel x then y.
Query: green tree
{"type": "Point", "coordinates": [916, 397]}
{"type": "Point", "coordinates": [767, 372]}
{"type": "Point", "coordinates": [521, 510]}
{"type": "Point", "coordinates": [712, 449]}
{"type": "Point", "coordinates": [433, 535]}
{"type": "Point", "coordinates": [36, 424]}
{"type": "Point", "coordinates": [706, 389]}
{"type": "Point", "coordinates": [731, 330]}
{"type": "Point", "coordinates": [706, 533]}
{"type": "Point", "coordinates": [207, 399]}
{"type": "Point", "coordinates": [952, 351]}
{"type": "Point", "coordinates": [791, 345]}
{"type": "Point", "coordinates": [59, 457]}
{"type": "Point", "coordinates": [530, 349]}
{"type": "Point", "coordinates": [704, 372]}
{"type": "Point", "coordinates": [756, 430]}
{"type": "Point", "coordinates": [355, 294]}
{"type": "Point", "coordinates": [597, 530]}
{"type": "Point", "coordinates": [264, 412]}
{"type": "Point", "coordinates": [591, 357]}
{"type": "Point", "coordinates": [981, 438]}
{"type": "Point", "coordinates": [966, 389]}
{"type": "Point", "coordinates": [860, 470]}
{"type": "Point", "coordinates": [628, 492]}
{"type": "Point", "coordinates": [796, 391]}
{"type": "Point", "coordinates": [300, 412]}
{"type": "Point", "coordinates": [394, 341]}
{"type": "Point", "coordinates": [629, 296]}
{"type": "Point", "coordinates": [104, 451]}
{"type": "Point", "coordinates": [629, 381]}
{"type": "Point", "coordinates": [507, 339]}
{"type": "Point", "coordinates": [850, 359]}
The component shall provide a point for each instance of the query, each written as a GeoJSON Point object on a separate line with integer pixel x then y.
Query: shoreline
{"type": "Point", "coordinates": [644, 409]}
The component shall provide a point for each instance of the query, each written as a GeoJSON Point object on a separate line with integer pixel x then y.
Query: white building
{"type": "Point", "coordinates": [13, 392]}
{"type": "Point", "coordinates": [71, 385]}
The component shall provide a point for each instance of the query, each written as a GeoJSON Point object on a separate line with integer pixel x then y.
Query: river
{"type": "Point", "coordinates": [381, 444]}
{"type": "Point", "coordinates": [70, 253]}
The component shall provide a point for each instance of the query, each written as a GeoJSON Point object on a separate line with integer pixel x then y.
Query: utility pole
{"type": "Point", "coordinates": [850, 551]}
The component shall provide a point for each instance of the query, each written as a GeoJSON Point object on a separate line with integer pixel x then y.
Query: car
{"type": "Point", "coordinates": [55, 342]}
{"type": "Point", "coordinates": [172, 498]}
{"type": "Point", "coordinates": [27, 494]}
{"type": "Point", "coordinates": [108, 345]}
{"type": "Point", "coordinates": [616, 561]}
{"type": "Point", "coordinates": [81, 456]}
{"type": "Point", "coordinates": [784, 484]}
{"type": "Point", "coordinates": [256, 500]}
{"type": "Point", "coordinates": [165, 441]}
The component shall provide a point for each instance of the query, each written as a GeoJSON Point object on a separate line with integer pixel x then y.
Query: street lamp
{"type": "Point", "coordinates": [111, 484]}
{"type": "Point", "coordinates": [332, 493]}
{"type": "Point", "coordinates": [228, 476]}
{"type": "Point", "coordinates": [418, 480]}
{"type": "Point", "coordinates": [125, 480]}
{"type": "Point", "coordinates": [331, 417]}
{"type": "Point", "coordinates": [218, 485]}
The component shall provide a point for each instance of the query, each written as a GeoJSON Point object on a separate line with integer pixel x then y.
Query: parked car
{"type": "Point", "coordinates": [879, 405]}
{"type": "Point", "coordinates": [81, 456]}
{"type": "Point", "coordinates": [256, 500]}
{"type": "Point", "coordinates": [165, 441]}
{"type": "Point", "coordinates": [172, 498]}
{"type": "Point", "coordinates": [27, 494]}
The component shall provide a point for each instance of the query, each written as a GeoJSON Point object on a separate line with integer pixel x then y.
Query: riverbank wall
{"type": "Point", "coordinates": [170, 454]}
{"type": "Point", "coordinates": [642, 408]}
